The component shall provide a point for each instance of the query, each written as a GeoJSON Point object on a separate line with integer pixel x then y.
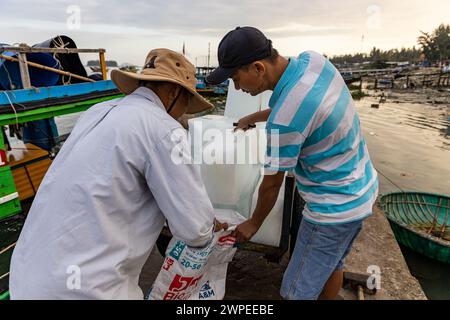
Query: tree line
{"type": "Point", "coordinates": [433, 46]}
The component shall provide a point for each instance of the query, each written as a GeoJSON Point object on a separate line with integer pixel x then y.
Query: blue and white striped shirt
{"type": "Point", "coordinates": [314, 129]}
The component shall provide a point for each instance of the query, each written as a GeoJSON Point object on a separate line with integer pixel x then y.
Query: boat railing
{"type": "Point", "coordinates": [22, 49]}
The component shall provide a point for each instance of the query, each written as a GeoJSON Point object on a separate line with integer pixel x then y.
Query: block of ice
{"type": "Point", "coordinates": [270, 231]}
{"type": "Point", "coordinates": [230, 162]}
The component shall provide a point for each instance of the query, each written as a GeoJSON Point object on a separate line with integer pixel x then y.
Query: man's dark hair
{"type": "Point", "coordinates": [271, 59]}
{"type": "Point", "coordinates": [273, 56]}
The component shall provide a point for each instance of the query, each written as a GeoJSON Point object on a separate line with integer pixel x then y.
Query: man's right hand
{"type": "Point", "coordinates": [219, 225]}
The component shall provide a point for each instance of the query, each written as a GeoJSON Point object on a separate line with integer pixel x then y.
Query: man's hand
{"type": "Point", "coordinates": [219, 225]}
{"type": "Point", "coordinates": [245, 231]}
{"type": "Point", "coordinates": [250, 121]}
{"type": "Point", "coordinates": [245, 123]}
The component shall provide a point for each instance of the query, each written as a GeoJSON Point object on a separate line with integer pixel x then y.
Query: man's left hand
{"type": "Point", "coordinates": [245, 231]}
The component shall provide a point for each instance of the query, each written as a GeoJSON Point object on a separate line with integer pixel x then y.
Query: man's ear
{"type": "Point", "coordinates": [260, 68]}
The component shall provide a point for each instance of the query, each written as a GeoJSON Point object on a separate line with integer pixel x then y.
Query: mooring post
{"type": "Point", "coordinates": [103, 65]}
{"type": "Point", "coordinates": [23, 66]}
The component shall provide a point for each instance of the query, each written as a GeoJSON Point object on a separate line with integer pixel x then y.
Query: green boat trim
{"type": "Point", "coordinates": [49, 112]}
{"type": "Point", "coordinates": [12, 207]}
{"type": "Point", "coordinates": [4, 296]}
{"type": "Point", "coordinates": [420, 221]}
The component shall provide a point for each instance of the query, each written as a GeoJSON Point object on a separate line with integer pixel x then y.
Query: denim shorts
{"type": "Point", "coordinates": [319, 251]}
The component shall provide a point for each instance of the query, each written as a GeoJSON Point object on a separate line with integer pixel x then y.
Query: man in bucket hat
{"type": "Point", "coordinates": [313, 130]}
{"type": "Point", "coordinates": [108, 193]}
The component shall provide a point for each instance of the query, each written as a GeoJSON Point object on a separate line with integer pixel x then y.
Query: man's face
{"type": "Point", "coordinates": [250, 79]}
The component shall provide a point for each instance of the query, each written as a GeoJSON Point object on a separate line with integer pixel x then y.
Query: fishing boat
{"type": "Point", "coordinates": [37, 84]}
{"type": "Point", "coordinates": [349, 77]}
{"type": "Point", "coordinates": [206, 89]}
{"type": "Point", "coordinates": [420, 221]}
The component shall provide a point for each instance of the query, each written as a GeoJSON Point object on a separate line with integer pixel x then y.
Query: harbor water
{"type": "Point", "coordinates": [408, 142]}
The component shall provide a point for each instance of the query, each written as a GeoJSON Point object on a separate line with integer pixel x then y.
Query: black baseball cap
{"type": "Point", "coordinates": [238, 48]}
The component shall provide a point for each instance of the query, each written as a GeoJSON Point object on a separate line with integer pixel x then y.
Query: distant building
{"type": "Point", "coordinates": [96, 63]}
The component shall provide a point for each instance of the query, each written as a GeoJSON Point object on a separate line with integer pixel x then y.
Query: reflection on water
{"type": "Point", "coordinates": [408, 143]}
{"type": "Point", "coordinates": [434, 276]}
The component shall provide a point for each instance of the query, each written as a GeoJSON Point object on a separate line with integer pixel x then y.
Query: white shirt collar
{"type": "Point", "coordinates": [150, 95]}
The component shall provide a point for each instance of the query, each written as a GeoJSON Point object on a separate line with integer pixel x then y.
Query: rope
{"type": "Point", "coordinates": [7, 248]}
{"type": "Point", "coordinates": [5, 92]}
{"type": "Point", "coordinates": [4, 276]}
{"type": "Point", "coordinates": [393, 183]}
{"type": "Point", "coordinates": [14, 109]}
{"type": "Point", "coordinates": [9, 77]}
{"type": "Point", "coordinates": [59, 43]}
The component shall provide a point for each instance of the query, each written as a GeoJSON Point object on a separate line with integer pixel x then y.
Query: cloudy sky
{"type": "Point", "coordinates": [129, 29]}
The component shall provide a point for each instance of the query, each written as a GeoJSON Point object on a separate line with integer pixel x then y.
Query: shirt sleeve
{"type": "Point", "coordinates": [178, 189]}
{"type": "Point", "coordinates": [283, 147]}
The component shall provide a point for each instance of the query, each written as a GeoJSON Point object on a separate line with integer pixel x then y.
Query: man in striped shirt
{"type": "Point", "coordinates": [313, 130]}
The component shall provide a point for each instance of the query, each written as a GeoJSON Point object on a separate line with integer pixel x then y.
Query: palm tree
{"type": "Point", "coordinates": [436, 46]}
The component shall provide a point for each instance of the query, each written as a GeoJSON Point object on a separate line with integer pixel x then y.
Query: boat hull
{"type": "Point", "coordinates": [420, 221]}
{"type": "Point", "coordinates": [417, 242]}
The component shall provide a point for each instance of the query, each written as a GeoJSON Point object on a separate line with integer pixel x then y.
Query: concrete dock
{"type": "Point", "coordinates": [250, 276]}
{"type": "Point", "coordinates": [376, 246]}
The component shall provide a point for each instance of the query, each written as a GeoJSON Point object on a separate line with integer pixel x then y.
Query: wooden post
{"type": "Point", "coordinates": [103, 65]}
{"type": "Point", "coordinates": [360, 83]}
{"type": "Point", "coordinates": [423, 81]}
{"type": "Point", "coordinates": [24, 72]}
{"type": "Point", "coordinates": [376, 84]}
{"type": "Point", "coordinates": [407, 81]}
{"type": "Point", "coordinates": [439, 79]}
{"type": "Point", "coordinates": [40, 66]}
{"type": "Point", "coordinates": [392, 83]}
{"type": "Point", "coordinates": [209, 52]}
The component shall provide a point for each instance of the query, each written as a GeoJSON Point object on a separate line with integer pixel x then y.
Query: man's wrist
{"type": "Point", "coordinates": [256, 222]}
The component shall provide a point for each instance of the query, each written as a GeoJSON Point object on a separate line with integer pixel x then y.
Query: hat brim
{"type": "Point", "coordinates": [127, 82]}
{"type": "Point", "coordinates": [220, 75]}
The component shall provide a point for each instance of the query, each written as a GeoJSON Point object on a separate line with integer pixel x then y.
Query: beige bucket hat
{"type": "Point", "coordinates": [164, 65]}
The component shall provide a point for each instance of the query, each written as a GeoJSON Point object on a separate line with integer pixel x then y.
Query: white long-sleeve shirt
{"type": "Point", "coordinates": [104, 201]}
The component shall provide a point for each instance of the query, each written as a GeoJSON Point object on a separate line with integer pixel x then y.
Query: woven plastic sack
{"type": "Point", "coordinates": [197, 273]}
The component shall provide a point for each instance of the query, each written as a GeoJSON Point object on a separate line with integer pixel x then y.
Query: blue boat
{"type": "Point", "coordinates": [207, 89]}
{"type": "Point", "coordinates": [46, 96]}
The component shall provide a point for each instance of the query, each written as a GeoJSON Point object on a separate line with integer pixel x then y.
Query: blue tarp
{"type": "Point", "coordinates": [41, 132]}
{"type": "Point", "coordinates": [10, 71]}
